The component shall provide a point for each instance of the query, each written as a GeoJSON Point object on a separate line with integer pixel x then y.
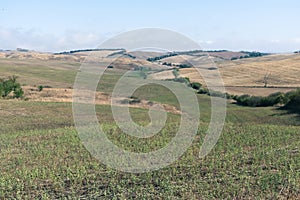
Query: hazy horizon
{"type": "Point", "coordinates": [55, 26]}
{"type": "Point", "coordinates": [83, 49]}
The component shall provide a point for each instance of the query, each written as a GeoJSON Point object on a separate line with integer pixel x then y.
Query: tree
{"type": "Point", "coordinates": [196, 85]}
{"type": "Point", "coordinates": [266, 79]}
{"type": "Point", "coordinates": [10, 85]}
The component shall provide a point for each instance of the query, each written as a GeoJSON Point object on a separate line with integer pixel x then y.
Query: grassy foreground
{"type": "Point", "coordinates": [248, 162]}
{"type": "Point", "coordinates": [41, 156]}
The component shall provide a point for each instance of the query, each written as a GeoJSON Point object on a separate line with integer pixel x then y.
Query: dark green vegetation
{"type": "Point", "coordinates": [10, 85]}
{"type": "Point", "coordinates": [246, 54]}
{"type": "Point", "coordinates": [258, 101]}
{"type": "Point", "coordinates": [293, 101]}
{"type": "Point", "coordinates": [162, 57]}
{"type": "Point", "coordinates": [86, 50]}
{"type": "Point", "coordinates": [289, 100]}
{"type": "Point", "coordinates": [250, 55]}
{"type": "Point", "coordinates": [41, 155]}
{"type": "Point", "coordinates": [177, 65]}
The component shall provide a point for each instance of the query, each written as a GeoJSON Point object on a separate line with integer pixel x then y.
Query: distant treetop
{"type": "Point", "coordinates": [86, 50]}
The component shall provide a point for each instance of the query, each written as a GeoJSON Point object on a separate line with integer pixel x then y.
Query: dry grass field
{"type": "Point", "coordinates": [246, 76]}
{"type": "Point", "coordinates": [243, 76]}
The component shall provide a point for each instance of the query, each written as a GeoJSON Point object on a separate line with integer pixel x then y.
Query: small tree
{"type": "Point", "coordinates": [196, 85]}
{"type": "Point", "coordinates": [10, 85]}
{"type": "Point", "coordinates": [266, 79]}
{"type": "Point", "coordinates": [40, 88]}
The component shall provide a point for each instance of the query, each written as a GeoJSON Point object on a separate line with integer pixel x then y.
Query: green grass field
{"type": "Point", "coordinates": [42, 157]}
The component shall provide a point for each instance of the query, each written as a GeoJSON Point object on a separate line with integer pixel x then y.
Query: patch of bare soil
{"type": "Point", "coordinates": [66, 95]}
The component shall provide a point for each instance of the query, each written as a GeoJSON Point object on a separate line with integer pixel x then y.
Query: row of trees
{"type": "Point", "coordinates": [10, 86]}
{"type": "Point", "coordinates": [289, 101]}
{"type": "Point", "coordinates": [87, 50]}
{"type": "Point", "coordinates": [259, 101]}
{"type": "Point", "coordinates": [161, 57]}
{"type": "Point", "coordinates": [249, 55]}
{"type": "Point", "coordinates": [177, 65]}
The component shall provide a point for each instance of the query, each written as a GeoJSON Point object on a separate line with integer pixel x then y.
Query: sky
{"type": "Point", "coordinates": [54, 26]}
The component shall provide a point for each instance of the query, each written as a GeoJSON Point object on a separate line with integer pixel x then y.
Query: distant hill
{"type": "Point", "coordinates": [240, 75]}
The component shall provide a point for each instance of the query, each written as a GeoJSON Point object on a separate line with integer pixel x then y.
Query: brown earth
{"type": "Point", "coordinates": [66, 95]}
{"type": "Point", "coordinates": [246, 76]}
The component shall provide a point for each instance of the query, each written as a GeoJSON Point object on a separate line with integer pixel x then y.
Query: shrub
{"type": "Point", "coordinates": [40, 88]}
{"type": "Point", "coordinates": [167, 64]}
{"type": "Point", "coordinates": [242, 100]}
{"type": "Point", "coordinates": [184, 66]}
{"type": "Point", "coordinates": [10, 85]}
{"type": "Point", "coordinates": [292, 100]}
{"type": "Point", "coordinates": [258, 101]}
{"type": "Point", "coordinates": [134, 101]}
{"type": "Point", "coordinates": [196, 86]}
{"type": "Point", "coordinates": [180, 80]}
{"type": "Point", "coordinates": [203, 91]}
{"type": "Point", "coordinates": [213, 93]}
{"type": "Point", "coordinates": [217, 94]}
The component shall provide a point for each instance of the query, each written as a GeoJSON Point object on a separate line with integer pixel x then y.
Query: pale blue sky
{"type": "Point", "coordinates": [263, 25]}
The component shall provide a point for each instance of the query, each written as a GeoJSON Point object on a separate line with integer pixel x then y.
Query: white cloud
{"type": "Point", "coordinates": [36, 40]}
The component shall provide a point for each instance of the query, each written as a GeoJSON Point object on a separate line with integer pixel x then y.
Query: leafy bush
{"type": "Point", "coordinates": [184, 66]}
{"type": "Point", "coordinates": [292, 101]}
{"type": "Point", "coordinates": [10, 85]}
{"type": "Point", "coordinates": [203, 91]}
{"type": "Point", "coordinates": [258, 101]}
{"type": "Point", "coordinates": [217, 94]}
{"type": "Point", "coordinates": [40, 88]}
{"type": "Point", "coordinates": [213, 93]}
{"type": "Point", "coordinates": [177, 65]}
{"type": "Point", "coordinates": [161, 57]}
{"type": "Point", "coordinates": [167, 64]}
{"type": "Point", "coordinates": [196, 86]}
